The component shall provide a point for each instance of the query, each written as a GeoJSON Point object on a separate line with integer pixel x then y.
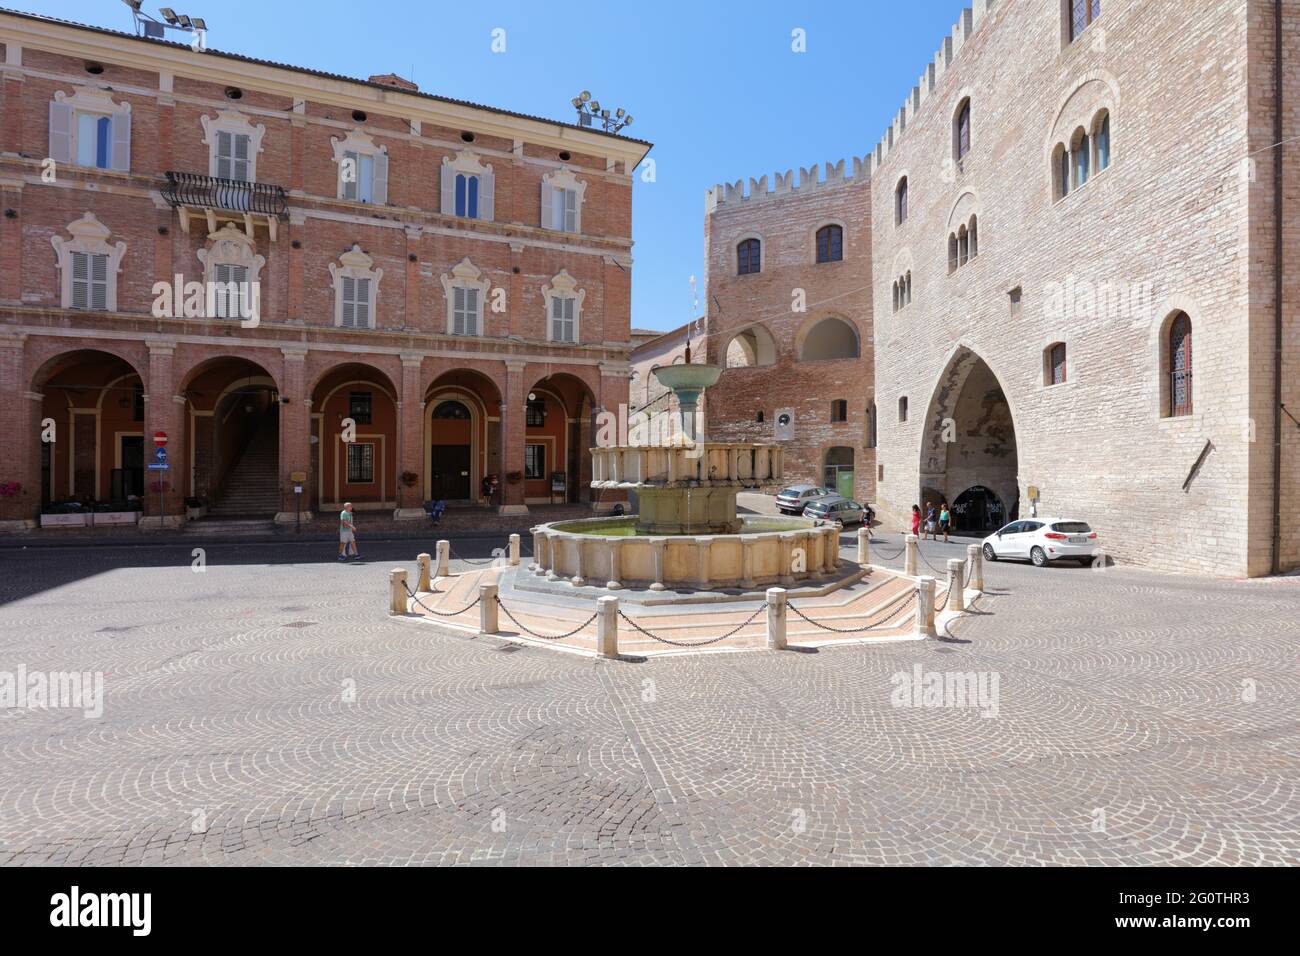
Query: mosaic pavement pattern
{"type": "Point", "coordinates": [267, 710]}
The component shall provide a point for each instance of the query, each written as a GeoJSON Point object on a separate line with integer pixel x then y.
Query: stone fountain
{"type": "Point", "coordinates": [686, 534]}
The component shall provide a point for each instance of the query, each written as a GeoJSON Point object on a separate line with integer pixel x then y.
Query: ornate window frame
{"type": "Point", "coordinates": [467, 162]}
{"type": "Point", "coordinates": [466, 275]}
{"type": "Point", "coordinates": [89, 237]}
{"type": "Point", "coordinates": [90, 102]}
{"type": "Point", "coordinates": [562, 178]}
{"type": "Point", "coordinates": [362, 144]}
{"type": "Point", "coordinates": [230, 246]}
{"type": "Point", "coordinates": [235, 123]}
{"type": "Point", "coordinates": [356, 265]}
{"type": "Point", "coordinates": [564, 286]}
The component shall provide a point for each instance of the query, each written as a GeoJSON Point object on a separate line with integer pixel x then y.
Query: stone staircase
{"type": "Point", "coordinates": [253, 486]}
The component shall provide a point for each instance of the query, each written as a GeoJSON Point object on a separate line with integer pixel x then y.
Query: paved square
{"type": "Point", "coordinates": [267, 711]}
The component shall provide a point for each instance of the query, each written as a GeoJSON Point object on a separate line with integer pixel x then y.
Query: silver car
{"type": "Point", "coordinates": [836, 508]}
{"type": "Point", "coordinates": [791, 501]}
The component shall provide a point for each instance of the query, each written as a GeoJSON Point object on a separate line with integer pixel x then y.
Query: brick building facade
{"type": "Point", "coordinates": [451, 279]}
{"type": "Point", "coordinates": [788, 286]}
{"type": "Point", "coordinates": [1067, 200]}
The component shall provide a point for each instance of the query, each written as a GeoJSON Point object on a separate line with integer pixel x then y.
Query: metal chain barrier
{"type": "Point", "coordinates": [888, 557]}
{"type": "Point", "coordinates": [940, 598]}
{"type": "Point", "coordinates": [942, 574]}
{"type": "Point", "coordinates": [713, 640]}
{"type": "Point", "coordinates": [876, 625]}
{"type": "Point", "coordinates": [544, 637]}
{"type": "Point", "coordinates": [970, 572]}
{"type": "Point", "coordinates": [451, 552]}
{"type": "Point", "coordinates": [431, 610]}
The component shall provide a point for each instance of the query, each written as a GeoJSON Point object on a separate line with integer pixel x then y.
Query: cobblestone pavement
{"type": "Point", "coordinates": [268, 711]}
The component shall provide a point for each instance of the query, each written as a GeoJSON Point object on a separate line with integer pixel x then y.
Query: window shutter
{"type": "Point", "coordinates": [122, 140]}
{"type": "Point", "coordinates": [363, 304]}
{"type": "Point", "coordinates": [351, 164]}
{"type": "Point", "coordinates": [349, 294]}
{"type": "Point", "coordinates": [99, 282]}
{"type": "Point", "coordinates": [487, 197]}
{"type": "Point", "coordinates": [548, 205]}
{"type": "Point", "coordinates": [570, 197]}
{"type": "Point", "coordinates": [458, 311]}
{"type": "Point", "coordinates": [241, 158]}
{"type": "Point", "coordinates": [380, 190]}
{"type": "Point", "coordinates": [471, 312]}
{"type": "Point", "coordinates": [224, 153]}
{"type": "Point", "coordinates": [448, 190]}
{"type": "Point", "coordinates": [80, 280]}
{"type": "Point", "coordinates": [60, 132]}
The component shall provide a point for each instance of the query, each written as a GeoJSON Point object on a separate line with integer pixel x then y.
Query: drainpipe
{"type": "Point", "coordinates": [1277, 287]}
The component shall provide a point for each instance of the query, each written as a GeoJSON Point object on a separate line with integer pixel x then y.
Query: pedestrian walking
{"type": "Point", "coordinates": [916, 520]}
{"type": "Point", "coordinates": [945, 520]}
{"type": "Point", "coordinates": [347, 534]}
{"type": "Point", "coordinates": [929, 521]}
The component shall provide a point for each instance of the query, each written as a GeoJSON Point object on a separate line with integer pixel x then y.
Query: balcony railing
{"type": "Point", "coordinates": [209, 192]}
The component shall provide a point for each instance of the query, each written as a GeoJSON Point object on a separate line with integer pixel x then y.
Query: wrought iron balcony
{"type": "Point", "coordinates": [209, 192]}
{"type": "Point", "coordinates": [213, 200]}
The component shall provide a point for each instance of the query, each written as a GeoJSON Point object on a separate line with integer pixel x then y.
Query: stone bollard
{"type": "Point", "coordinates": [924, 607]}
{"type": "Point", "coordinates": [956, 584]}
{"type": "Point", "coordinates": [514, 549]}
{"type": "Point", "coordinates": [975, 557]}
{"type": "Point", "coordinates": [864, 547]}
{"type": "Point", "coordinates": [443, 551]}
{"type": "Point", "coordinates": [488, 609]}
{"type": "Point", "coordinates": [397, 591]}
{"type": "Point", "coordinates": [776, 619]}
{"type": "Point", "coordinates": [909, 559]}
{"type": "Point", "coordinates": [538, 537]}
{"type": "Point", "coordinates": [607, 628]}
{"type": "Point", "coordinates": [425, 563]}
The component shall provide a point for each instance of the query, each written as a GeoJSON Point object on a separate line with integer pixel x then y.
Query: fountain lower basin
{"type": "Point", "coordinates": [611, 553]}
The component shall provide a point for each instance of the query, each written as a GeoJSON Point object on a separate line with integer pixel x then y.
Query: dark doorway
{"type": "Point", "coordinates": [132, 466]}
{"type": "Point", "coordinates": [449, 472]}
{"type": "Point", "coordinates": [978, 510]}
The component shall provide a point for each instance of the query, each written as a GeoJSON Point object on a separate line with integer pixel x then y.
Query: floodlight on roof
{"type": "Point", "coordinates": [168, 14]}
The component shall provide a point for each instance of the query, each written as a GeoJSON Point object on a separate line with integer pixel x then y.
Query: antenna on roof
{"type": "Point", "coordinates": [153, 29]}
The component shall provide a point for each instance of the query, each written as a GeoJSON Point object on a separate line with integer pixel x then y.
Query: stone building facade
{"type": "Point", "coordinates": [1068, 199]}
{"type": "Point", "coordinates": [788, 286]}
{"type": "Point", "coordinates": [442, 289]}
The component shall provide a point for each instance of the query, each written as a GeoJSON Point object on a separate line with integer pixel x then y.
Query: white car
{"type": "Point", "coordinates": [1043, 540]}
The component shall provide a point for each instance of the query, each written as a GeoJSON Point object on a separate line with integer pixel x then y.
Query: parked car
{"type": "Point", "coordinates": [1043, 540]}
{"type": "Point", "coordinates": [836, 508]}
{"type": "Point", "coordinates": [792, 500]}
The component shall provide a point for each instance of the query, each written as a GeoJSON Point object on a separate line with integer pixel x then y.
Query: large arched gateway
{"type": "Point", "coordinates": [968, 446]}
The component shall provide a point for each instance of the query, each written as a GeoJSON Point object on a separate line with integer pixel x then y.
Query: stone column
{"type": "Point", "coordinates": [487, 609]}
{"type": "Point", "coordinates": [410, 442]}
{"type": "Point", "coordinates": [615, 546]}
{"type": "Point", "coordinates": [397, 591]}
{"type": "Point", "coordinates": [552, 556]}
{"type": "Point", "coordinates": [776, 619]}
{"type": "Point", "coordinates": [578, 580]}
{"type": "Point", "coordinates": [909, 558]}
{"type": "Point", "coordinates": [832, 552]}
{"type": "Point", "coordinates": [864, 548]}
{"type": "Point", "coordinates": [514, 550]}
{"type": "Point", "coordinates": [22, 433]}
{"type": "Point", "coordinates": [512, 438]}
{"type": "Point", "coordinates": [425, 563]}
{"type": "Point", "coordinates": [163, 414]}
{"type": "Point", "coordinates": [443, 551]}
{"type": "Point", "coordinates": [747, 562]}
{"type": "Point", "coordinates": [295, 432]}
{"type": "Point", "coordinates": [925, 607]}
{"type": "Point", "coordinates": [659, 547]}
{"type": "Point", "coordinates": [975, 557]}
{"type": "Point", "coordinates": [702, 577]}
{"type": "Point", "coordinates": [607, 628]}
{"type": "Point", "coordinates": [956, 584]}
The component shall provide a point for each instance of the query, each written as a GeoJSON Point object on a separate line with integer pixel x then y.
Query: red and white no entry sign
{"type": "Point", "coordinates": [160, 439]}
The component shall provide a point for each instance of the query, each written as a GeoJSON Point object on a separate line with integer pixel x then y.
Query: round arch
{"type": "Point", "coordinates": [560, 447]}
{"type": "Point", "coordinates": [750, 347]}
{"type": "Point", "coordinates": [458, 453]}
{"type": "Point", "coordinates": [829, 338]}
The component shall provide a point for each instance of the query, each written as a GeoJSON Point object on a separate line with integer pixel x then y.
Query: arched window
{"type": "Point", "coordinates": [1180, 365]}
{"type": "Point", "coordinates": [760, 417]}
{"type": "Point", "coordinates": [830, 338]}
{"type": "Point", "coordinates": [748, 257]}
{"type": "Point", "coordinates": [963, 246]}
{"type": "Point", "coordinates": [1080, 159]}
{"type": "Point", "coordinates": [897, 297]}
{"type": "Point", "coordinates": [1054, 370]}
{"type": "Point", "coordinates": [952, 252]}
{"type": "Point", "coordinates": [900, 202]}
{"type": "Point", "coordinates": [1082, 13]}
{"type": "Point", "coordinates": [974, 237]}
{"type": "Point", "coordinates": [1062, 171]}
{"type": "Point", "coordinates": [1101, 139]}
{"type": "Point", "coordinates": [907, 285]}
{"type": "Point", "coordinates": [961, 131]}
{"type": "Point", "coordinates": [830, 244]}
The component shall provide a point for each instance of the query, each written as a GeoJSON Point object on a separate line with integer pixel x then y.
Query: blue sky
{"type": "Point", "coordinates": [714, 85]}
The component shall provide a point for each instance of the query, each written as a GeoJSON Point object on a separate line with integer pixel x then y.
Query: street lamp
{"type": "Point", "coordinates": [590, 113]}
{"type": "Point", "coordinates": [147, 26]}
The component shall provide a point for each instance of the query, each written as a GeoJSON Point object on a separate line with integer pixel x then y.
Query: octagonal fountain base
{"type": "Point", "coordinates": [596, 556]}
